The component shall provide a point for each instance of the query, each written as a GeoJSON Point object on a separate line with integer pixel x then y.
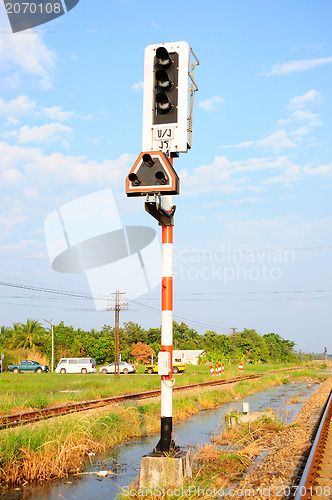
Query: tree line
{"type": "Point", "coordinates": [247, 345]}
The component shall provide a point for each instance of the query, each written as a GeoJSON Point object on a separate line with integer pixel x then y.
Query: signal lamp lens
{"type": "Point", "coordinates": [163, 104]}
{"type": "Point", "coordinates": [161, 178]}
{"type": "Point", "coordinates": [163, 81]}
{"type": "Point", "coordinates": [148, 160]}
{"type": "Point", "coordinates": [163, 58]}
{"type": "Point", "coordinates": [134, 179]}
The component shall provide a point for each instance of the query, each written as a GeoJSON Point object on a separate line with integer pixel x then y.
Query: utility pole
{"type": "Point", "coordinates": [272, 352]}
{"type": "Point", "coordinates": [52, 332]}
{"type": "Point", "coordinates": [117, 306]}
{"type": "Point", "coordinates": [325, 351]}
{"type": "Point", "coordinates": [234, 329]}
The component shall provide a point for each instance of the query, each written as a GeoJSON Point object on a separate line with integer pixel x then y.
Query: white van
{"type": "Point", "coordinates": [76, 365]}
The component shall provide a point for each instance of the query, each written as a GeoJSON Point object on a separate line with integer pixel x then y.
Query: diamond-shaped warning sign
{"type": "Point", "coordinates": [152, 173]}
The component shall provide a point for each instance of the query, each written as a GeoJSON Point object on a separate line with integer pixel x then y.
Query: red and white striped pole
{"type": "Point", "coordinates": [166, 329]}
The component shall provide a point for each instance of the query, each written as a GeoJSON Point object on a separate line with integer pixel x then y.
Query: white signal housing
{"type": "Point", "coordinates": [166, 137]}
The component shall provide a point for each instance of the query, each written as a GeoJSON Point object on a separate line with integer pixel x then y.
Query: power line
{"type": "Point", "coordinates": [253, 292]}
{"type": "Point", "coordinates": [228, 250]}
{"type": "Point", "coordinates": [199, 323]}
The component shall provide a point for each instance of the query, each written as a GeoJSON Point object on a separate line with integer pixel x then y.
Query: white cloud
{"type": "Point", "coordinates": [306, 115]}
{"type": "Point", "coordinates": [85, 117]}
{"type": "Point", "coordinates": [137, 87]}
{"type": "Point", "coordinates": [213, 204]}
{"type": "Point", "coordinates": [258, 225]}
{"type": "Point", "coordinates": [93, 141]}
{"type": "Point", "coordinates": [207, 178]}
{"type": "Point", "coordinates": [57, 113]}
{"type": "Point", "coordinates": [249, 176]}
{"type": "Point", "coordinates": [314, 47]}
{"type": "Point", "coordinates": [245, 144]}
{"type": "Point", "coordinates": [322, 170]}
{"type": "Point", "coordinates": [51, 132]}
{"type": "Point", "coordinates": [247, 200]}
{"type": "Point", "coordinates": [11, 175]}
{"type": "Point", "coordinates": [300, 131]}
{"type": "Point", "coordinates": [289, 175]}
{"type": "Point", "coordinates": [13, 156]}
{"type": "Point", "coordinates": [220, 176]}
{"type": "Point", "coordinates": [278, 140]}
{"type": "Point", "coordinates": [302, 100]}
{"type": "Point", "coordinates": [211, 104]}
{"type": "Point", "coordinates": [302, 115]}
{"type": "Point", "coordinates": [295, 66]}
{"type": "Point", "coordinates": [13, 216]}
{"type": "Point", "coordinates": [11, 120]}
{"type": "Point", "coordinates": [21, 105]}
{"type": "Point", "coordinates": [64, 169]}
{"type": "Point", "coordinates": [31, 193]}
{"type": "Point", "coordinates": [8, 134]}
{"type": "Point", "coordinates": [35, 249]}
{"type": "Point", "coordinates": [25, 54]}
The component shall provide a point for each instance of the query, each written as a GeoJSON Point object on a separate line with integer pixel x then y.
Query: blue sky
{"type": "Point", "coordinates": [253, 223]}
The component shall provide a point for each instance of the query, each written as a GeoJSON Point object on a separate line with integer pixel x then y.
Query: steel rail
{"type": "Point", "coordinates": [33, 416]}
{"type": "Point", "coordinates": [307, 485]}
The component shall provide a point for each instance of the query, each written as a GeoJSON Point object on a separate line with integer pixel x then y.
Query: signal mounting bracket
{"type": "Point", "coordinates": [193, 88]}
{"type": "Point", "coordinates": [155, 209]}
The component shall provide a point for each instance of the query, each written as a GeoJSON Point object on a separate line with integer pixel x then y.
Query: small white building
{"type": "Point", "coordinates": [187, 356]}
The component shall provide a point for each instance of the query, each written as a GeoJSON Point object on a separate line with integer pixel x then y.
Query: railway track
{"type": "Point", "coordinates": [33, 416]}
{"type": "Point", "coordinates": [316, 481]}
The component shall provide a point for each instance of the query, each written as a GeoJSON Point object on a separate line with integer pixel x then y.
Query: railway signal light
{"type": "Point", "coordinates": [152, 173]}
{"type": "Point", "coordinates": [165, 107]}
{"type": "Point", "coordinates": [166, 69]}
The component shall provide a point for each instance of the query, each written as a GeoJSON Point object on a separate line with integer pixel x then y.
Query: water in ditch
{"type": "Point", "coordinates": [122, 462]}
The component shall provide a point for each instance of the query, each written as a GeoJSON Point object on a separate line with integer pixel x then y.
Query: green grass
{"type": "Point", "coordinates": [57, 446]}
{"type": "Point", "coordinates": [31, 391]}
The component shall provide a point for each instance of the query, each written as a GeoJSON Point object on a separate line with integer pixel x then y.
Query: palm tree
{"type": "Point", "coordinates": [28, 335]}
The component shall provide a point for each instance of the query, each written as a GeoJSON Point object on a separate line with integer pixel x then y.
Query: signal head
{"type": "Point", "coordinates": [163, 58]}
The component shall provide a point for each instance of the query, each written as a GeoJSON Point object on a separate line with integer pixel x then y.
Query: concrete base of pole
{"type": "Point", "coordinates": [160, 470]}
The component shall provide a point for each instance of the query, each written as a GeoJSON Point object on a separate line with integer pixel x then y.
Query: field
{"type": "Point", "coordinates": [32, 391]}
{"type": "Point", "coordinates": [59, 446]}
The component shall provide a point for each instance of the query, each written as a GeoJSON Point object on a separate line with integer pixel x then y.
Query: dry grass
{"type": "Point", "coordinates": [56, 458]}
{"type": "Point", "coordinates": [218, 467]}
{"type": "Point", "coordinates": [243, 434]}
{"type": "Point", "coordinates": [244, 442]}
{"type": "Point", "coordinates": [60, 446]}
{"type": "Point", "coordinates": [294, 400]}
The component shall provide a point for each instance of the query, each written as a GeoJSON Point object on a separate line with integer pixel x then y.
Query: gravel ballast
{"type": "Point", "coordinates": [277, 475]}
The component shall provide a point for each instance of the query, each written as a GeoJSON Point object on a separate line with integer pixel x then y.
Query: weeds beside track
{"type": "Point", "coordinates": [32, 416]}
